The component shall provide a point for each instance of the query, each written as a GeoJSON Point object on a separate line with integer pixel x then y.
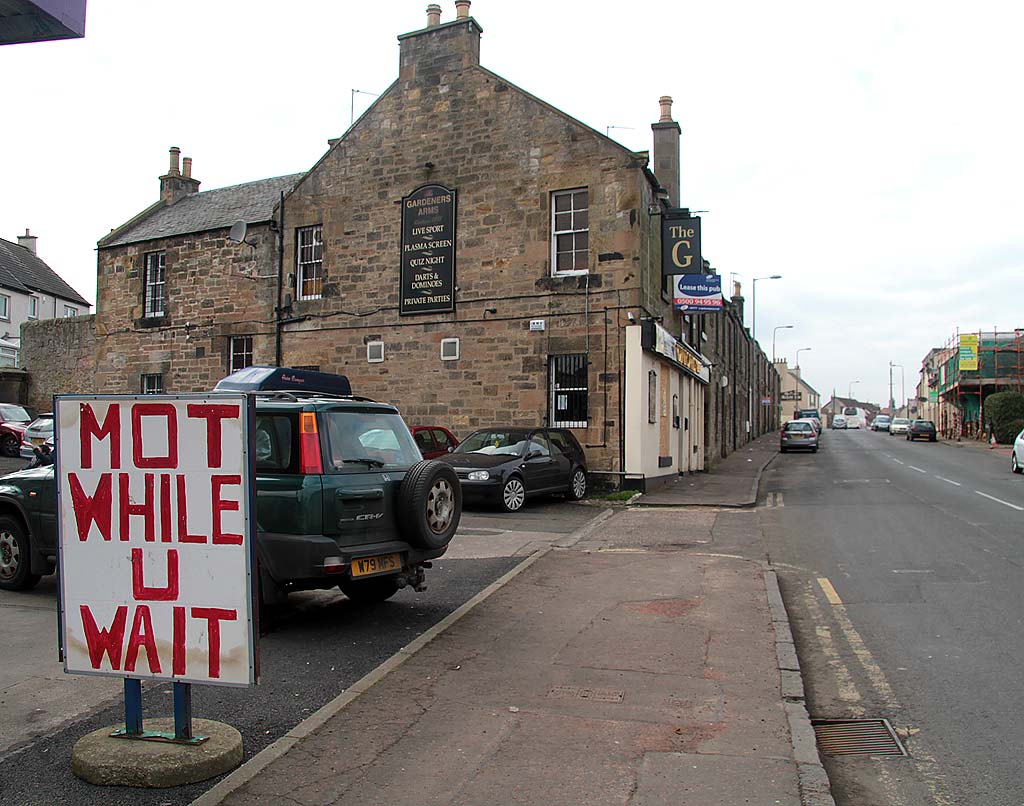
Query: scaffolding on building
{"type": "Point", "coordinates": [961, 392]}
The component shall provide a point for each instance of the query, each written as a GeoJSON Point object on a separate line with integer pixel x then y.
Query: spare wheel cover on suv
{"type": "Point", "coordinates": [430, 504]}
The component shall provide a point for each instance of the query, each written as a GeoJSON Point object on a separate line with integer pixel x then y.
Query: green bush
{"type": "Point", "coordinates": [1005, 410]}
{"type": "Point", "coordinates": [1009, 433]}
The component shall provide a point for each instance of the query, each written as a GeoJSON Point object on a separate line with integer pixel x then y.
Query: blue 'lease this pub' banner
{"type": "Point", "coordinates": [697, 293]}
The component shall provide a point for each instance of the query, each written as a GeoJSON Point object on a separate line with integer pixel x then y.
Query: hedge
{"type": "Point", "coordinates": [1005, 410]}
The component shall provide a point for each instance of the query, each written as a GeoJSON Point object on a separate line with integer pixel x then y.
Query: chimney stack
{"type": "Point", "coordinates": [186, 165]}
{"type": "Point", "coordinates": [174, 186]}
{"type": "Point", "coordinates": [28, 241]}
{"type": "Point", "coordinates": [426, 55]}
{"type": "Point", "coordinates": [666, 151]}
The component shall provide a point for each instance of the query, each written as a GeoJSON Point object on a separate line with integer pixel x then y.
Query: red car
{"type": "Point", "coordinates": [13, 422]}
{"type": "Point", "coordinates": [434, 440]}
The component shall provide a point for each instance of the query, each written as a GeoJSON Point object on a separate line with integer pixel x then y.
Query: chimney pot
{"type": "Point", "coordinates": [666, 109]}
{"type": "Point", "coordinates": [461, 9]}
{"type": "Point", "coordinates": [433, 15]}
{"type": "Point", "coordinates": [173, 170]}
{"type": "Point", "coordinates": [186, 164]}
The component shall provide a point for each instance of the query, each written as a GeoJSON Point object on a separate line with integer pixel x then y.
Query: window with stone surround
{"type": "Point", "coordinates": [310, 262]}
{"type": "Point", "coordinates": [570, 231]}
{"type": "Point", "coordinates": [152, 384]}
{"type": "Point", "coordinates": [154, 285]}
{"type": "Point", "coordinates": [568, 390]}
{"type": "Point", "coordinates": [241, 353]}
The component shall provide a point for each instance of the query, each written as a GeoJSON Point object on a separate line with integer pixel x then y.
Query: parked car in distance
{"type": "Point", "coordinates": [798, 435]}
{"type": "Point", "coordinates": [899, 426]}
{"type": "Point", "coordinates": [809, 414]}
{"type": "Point", "coordinates": [505, 466]}
{"type": "Point", "coordinates": [921, 429]}
{"type": "Point", "coordinates": [343, 497]}
{"type": "Point", "coordinates": [1017, 454]}
{"type": "Point", "coordinates": [37, 432]}
{"type": "Point", "coordinates": [434, 441]}
{"type": "Point", "coordinates": [839, 421]}
{"type": "Point", "coordinates": [880, 423]}
{"type": "Point", "coordinates": [13, 421]}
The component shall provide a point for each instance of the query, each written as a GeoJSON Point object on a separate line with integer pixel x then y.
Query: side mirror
{"type": "Point", "coordinates": [451, 449]}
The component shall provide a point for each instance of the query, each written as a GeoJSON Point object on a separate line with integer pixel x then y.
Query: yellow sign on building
{"type": "Point", "coordinates": [969, 351]}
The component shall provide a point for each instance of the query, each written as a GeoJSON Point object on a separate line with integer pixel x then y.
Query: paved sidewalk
{"type": "Point", "coordinates": [730, 483]}
{"type": "Point", "coordinates": [635, 664]}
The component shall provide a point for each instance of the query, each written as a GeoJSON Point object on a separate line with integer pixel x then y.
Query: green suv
{"type": "Point", "coordinates": [343, 497]}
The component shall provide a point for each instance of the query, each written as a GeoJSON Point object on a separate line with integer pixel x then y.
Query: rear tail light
{"type": "Point", "coordinates": [309, 444]}
{"type": "Point", "coordinates": [333, 565]}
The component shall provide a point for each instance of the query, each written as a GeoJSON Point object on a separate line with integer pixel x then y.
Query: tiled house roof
{"type": "Point", "coordinates": [21, 270]}
{"type": "Point", "coordinates": [250, 202]}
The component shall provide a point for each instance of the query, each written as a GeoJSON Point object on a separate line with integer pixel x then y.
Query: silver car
{"type": "Point", "coordinates": [1017, 454]}
{"type": "Point", "coordinates": [799, 435]}
{"type": "Point", "coordinates": [900, 425]}
{"type": "Point", "coordinates": [38, 431]}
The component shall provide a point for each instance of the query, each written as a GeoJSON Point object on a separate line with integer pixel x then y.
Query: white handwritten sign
{"type": "Point", "coordinates": [156, 555]}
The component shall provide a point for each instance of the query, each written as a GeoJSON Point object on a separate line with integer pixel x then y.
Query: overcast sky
{"type": "Point", "coordinates": [870, 153]}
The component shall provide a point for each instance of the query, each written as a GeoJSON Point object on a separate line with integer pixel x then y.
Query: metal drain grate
{"type": "Point", "coordinates": [842, 737]}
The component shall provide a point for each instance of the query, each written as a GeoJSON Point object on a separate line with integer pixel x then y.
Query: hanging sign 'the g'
{"type": "Point", "coordinates": [680, 244]}
{"type": "Point", "coordinates": [428, 251]}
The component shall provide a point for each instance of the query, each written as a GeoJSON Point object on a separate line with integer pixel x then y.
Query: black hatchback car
{"type": "Point", "coordinates": [921, 429]}
{"type": "Point", "coordinates": [505, 466]}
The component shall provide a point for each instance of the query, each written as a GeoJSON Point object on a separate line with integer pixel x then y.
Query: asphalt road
{"type": "Point", "coordinates": [320, 644]}
{"type": "Point", "coordinates": [901, 567]}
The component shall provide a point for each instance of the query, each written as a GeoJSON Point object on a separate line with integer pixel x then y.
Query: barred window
{"type": "Point", "coordinates": [154, 284]}
{"type": "Point", "coordinates": [241, 353]}
{"type": "Point", "coordinates": [310, 262]}
{"type": "Point", "coordinates": [570, 231]}
{"type": "Point", "coordinates": [568, 391]}
{"type": "Point", "coordinates": [153, 384]}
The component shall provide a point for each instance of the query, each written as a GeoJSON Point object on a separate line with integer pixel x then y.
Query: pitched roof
{"type": "Point", "coordinates": [250, 202]}
{"type": "Point", "coordinates": [21, 270]}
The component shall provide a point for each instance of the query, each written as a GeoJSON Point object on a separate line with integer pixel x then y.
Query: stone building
{"type": "Point", "coordinates": [465, 251]}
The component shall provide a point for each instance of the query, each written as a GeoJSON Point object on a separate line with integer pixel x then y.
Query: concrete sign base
{"type": "Point", "coordinates": [101, 759]}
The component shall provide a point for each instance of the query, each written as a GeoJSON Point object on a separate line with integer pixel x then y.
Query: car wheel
{"type": "Point", "coordinates": [578, 484]}
{"type": "Point", "coordinates": [513, 494]}
{"type": "Point", "coordinates": [933, 438]}
{"type": "Point", "coordinates": [10, 446]}
{"type": "Point", "coordinates": [814, 450]}
{"type": "Point", "coordinates": [15, 563]}
{"type": "Point", "coordinates": [1014, 465]}
{"type": "Point", "coordinates": [782, 450]}
{"type": "Point", "coordinates": [430, 504]}
{"type": "Point", "coordinates": [370, 591]}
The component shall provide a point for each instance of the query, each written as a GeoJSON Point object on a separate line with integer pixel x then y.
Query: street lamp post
{"type": "Point", "coordinates": [753, 302]}
{"type": "Point", "coordinates": [776, 330]}
{"type": "Point", "coordinates": [801, 350]}
{"type": "Point", "coordinates": [849, 391]}
{"type": "Point", "coordinates": [903, 386]}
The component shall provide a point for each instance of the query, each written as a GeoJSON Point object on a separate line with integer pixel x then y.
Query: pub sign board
{"type": "Point", "coordinates": [428, 251]}
{"type": "Point", "coordinates": [155, 526]}
{"type": "Point", "coordinates": [680, 244]}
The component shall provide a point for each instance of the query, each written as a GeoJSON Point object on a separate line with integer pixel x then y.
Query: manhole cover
{"type": "Point", "coordinates": [842, 737]}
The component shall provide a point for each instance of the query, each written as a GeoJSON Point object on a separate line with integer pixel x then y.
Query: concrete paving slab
{"type": "Point", "coordinates": [687, 779]}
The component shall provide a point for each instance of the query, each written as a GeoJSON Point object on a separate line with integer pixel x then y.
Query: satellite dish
{"type": "Point", "coordinates": [237, 233]}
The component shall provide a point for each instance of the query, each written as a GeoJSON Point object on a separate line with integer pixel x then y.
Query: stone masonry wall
{"type": "Point", "coordinates": [59, 355]}
{"type": "Point", "coordinates": [215, 289]}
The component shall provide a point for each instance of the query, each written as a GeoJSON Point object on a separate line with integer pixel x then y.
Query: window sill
{"type": "Point", "coordinates": [153, 321]}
